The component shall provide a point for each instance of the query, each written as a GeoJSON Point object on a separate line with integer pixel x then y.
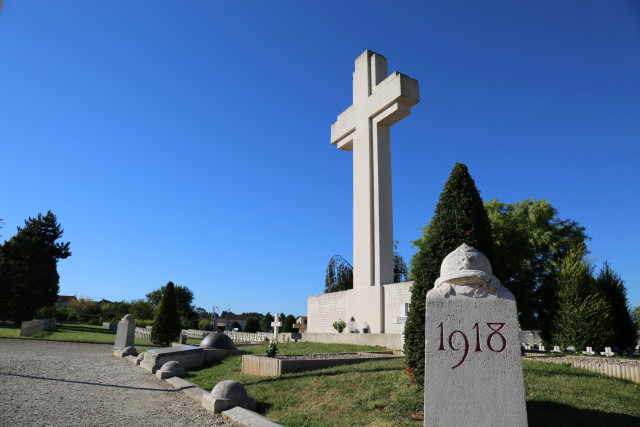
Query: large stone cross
{"type": "Point", "coordinates": [276, 324]}
{"type": "Point", "coordinates": [379, 101]}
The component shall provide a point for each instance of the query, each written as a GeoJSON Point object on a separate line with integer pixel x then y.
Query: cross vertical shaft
{"type": "Point", "coordinates": [379, 101]}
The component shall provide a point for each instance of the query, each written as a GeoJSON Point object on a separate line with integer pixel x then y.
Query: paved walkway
{"type": "Point", "coordinates": [47, 383]}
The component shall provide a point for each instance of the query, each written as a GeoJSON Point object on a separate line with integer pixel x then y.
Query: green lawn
{"type": "Point", "coordinates": [68, 332]}
{"type": "Point", "coordinates": [377, 392]}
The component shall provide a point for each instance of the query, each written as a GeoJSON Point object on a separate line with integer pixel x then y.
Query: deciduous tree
{"type": "Point", "coordinates": [265, 322]}
{"type": "Point", "coordinates": [530, 241]}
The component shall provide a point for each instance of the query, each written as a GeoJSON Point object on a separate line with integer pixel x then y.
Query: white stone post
{"type": "Point", "coordinates": [473, 368]}
{"type": "Point", "coordinates": [125, 336]}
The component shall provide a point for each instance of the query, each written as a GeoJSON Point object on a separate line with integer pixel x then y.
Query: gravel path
{"type": "Point", "coordinates": [47, 383]}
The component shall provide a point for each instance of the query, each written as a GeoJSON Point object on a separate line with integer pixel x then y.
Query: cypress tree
{"type": "Point", "coordinates": [460, 217]}
{"type": "Point", "coordinates": [611, 286]}
{"type": "Point", "coordinates": [166, 325]}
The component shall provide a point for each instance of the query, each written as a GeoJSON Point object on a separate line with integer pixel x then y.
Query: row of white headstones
{"type": "Point", "coordinates": [588, 350]}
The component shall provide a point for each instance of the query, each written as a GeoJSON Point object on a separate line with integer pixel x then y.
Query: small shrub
{"type": "Point", "coordinates": [204, 324]}
{"type": "Point", "coordinates": [339, 325]}
{"type": "Point", "coordinates": [272, 351]}
{"type": "Point", "coordinates": [72, 317]}
{"type": "Point", "coordinates": [235, 324]}
{"type": "Point", "coordinates": [47, 312]}
{"type": "Point", "coordinates": [62, 314]}
{"type": "Point", "coordinates": [252, 325]}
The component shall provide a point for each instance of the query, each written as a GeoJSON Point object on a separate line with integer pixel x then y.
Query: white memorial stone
{"type": "Point", "coordinates": [125, 335]}
{"type": "Point", "coordinates": [276, 324]}
{"type": "Point", "coordinates": [473, 367]}
{"type": "Point", "coordinates": [589, 351]}
{"type": "Point", "coordinates": [379, 101]}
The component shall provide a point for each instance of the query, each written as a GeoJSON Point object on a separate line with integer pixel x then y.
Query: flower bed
{"type": "Point", "coordinates": [275, 366]}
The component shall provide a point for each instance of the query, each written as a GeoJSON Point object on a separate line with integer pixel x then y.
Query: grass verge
{"type": "Point", "coordinates": [68, 332]}
{"type": "Point", "coordinates": [377, 392]}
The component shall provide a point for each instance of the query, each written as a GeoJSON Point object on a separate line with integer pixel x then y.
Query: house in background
{"type": "Point", "coordinates": [301, 323]}
{"type": "Point", "coordinates": [65, 300]}
{"type": "Point", "coordinates": [224, 323]}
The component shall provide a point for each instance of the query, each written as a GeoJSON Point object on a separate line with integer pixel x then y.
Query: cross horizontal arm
{"type": "Point", "coordinates": [396, 88]}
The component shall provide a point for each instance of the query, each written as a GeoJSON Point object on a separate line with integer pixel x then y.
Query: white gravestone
{"type": "Point", "coordinates": [276, 324]}
{"type": "Point", "coordinates": [473, 367]}
{"type": "Point", "coordinates": [379, 101]}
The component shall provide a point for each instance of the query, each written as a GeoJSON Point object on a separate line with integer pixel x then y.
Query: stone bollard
{"type": "Point", "coordinates": [125, 336]}
{"type": "Point", "coordinates": [473, 367]}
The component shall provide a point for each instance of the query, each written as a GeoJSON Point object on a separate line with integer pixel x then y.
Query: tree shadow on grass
{"type": "Point", "coordinates": [62, 380]}
{"type": "Point", "coordinates": [541, 413]}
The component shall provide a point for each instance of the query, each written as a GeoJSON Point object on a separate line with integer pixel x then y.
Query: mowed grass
{"type": "Point", "coordinates": [377, 392]}
{"type": "Point", "coordinates": [562, 395]}
{"type": "Point", "coordinates": [68, 332]}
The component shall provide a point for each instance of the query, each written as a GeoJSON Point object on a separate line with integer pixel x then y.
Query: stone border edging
{"type": "Point", "coordinates": [616, 370]}
{"type": "Point", "coordinates": [242, 416]}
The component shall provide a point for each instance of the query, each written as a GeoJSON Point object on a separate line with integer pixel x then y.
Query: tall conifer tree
{"type": "Point", "coordinates": [166, 325]}
{"type": "Point", "coordinates": [460, 217]}
{"type": "Point", "coordinates": [611, 286]}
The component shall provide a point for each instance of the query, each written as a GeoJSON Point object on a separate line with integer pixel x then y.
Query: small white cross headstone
{"type": "Point", "coordinates": [607, 352]}
{"type": "Point", "coordinates": [276, 324]}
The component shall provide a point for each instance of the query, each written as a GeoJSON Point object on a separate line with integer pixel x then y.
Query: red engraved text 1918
{"type": "Point", "coordinates": [496, 342]}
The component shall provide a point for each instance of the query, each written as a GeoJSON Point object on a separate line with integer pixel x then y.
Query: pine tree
{"type": "Point", "coordinates": [459, 217]}
{"type": "Point", "coordinates": [166, 325]}
{"type": "Point", "coordinates": [583, 317]}
{"type": "Point", "coordinates": [611, 286]}
{"type": "Point", "coordinates": [28, 268]}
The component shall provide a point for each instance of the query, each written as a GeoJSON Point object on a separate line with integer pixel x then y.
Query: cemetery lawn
{"type": "Point", "coordinates": [68, 332]}
{"type": "Point", "coordinates": [377, 393]}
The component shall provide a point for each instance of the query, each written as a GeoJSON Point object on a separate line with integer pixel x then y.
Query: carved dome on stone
{"type": "Point", "coordinates": [217, 340]}
{"type": "Point", "coordinates": [229, 389]}
{"type": "Point", "coordinates": [464, 262]}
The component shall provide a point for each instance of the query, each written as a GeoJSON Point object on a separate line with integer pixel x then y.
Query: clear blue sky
{"type": "Point", "coordinates": [189, 141]}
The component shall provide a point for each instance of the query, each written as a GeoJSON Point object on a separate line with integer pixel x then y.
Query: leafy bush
{"type": "Point", "coordinates": [272, 351]}
{"type": "Point", "coordinates": [62, 314]}
{"type": "Point", "coordinates": [252, 325]}
{"type": "Point", "coordinates": [339, 325]}
{"type": "Point", "coordinates": [234, 325]}
{"type": "Point", "coordinates": [47, 312]}
{"type": "Point", "coordinates": [72, 317]}
{"type": "Point", "coordinates": [204, 324]}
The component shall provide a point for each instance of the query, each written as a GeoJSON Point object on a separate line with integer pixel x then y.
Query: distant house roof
{"type": "Point", "coordinates": [67, 298]}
